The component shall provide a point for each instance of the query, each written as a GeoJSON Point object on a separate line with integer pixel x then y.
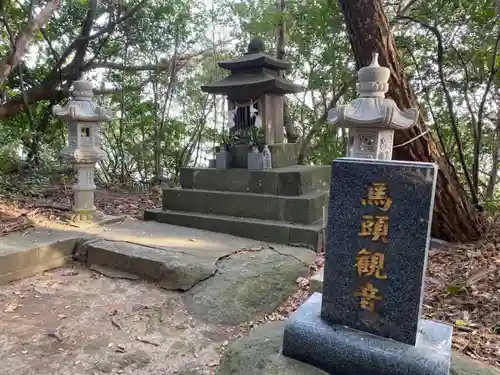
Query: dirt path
{"type": "Point", "coordinates": [76, 321]}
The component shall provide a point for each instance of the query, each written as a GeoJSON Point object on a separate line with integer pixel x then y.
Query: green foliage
{"type": "Point", "coordinates": [164, 121]}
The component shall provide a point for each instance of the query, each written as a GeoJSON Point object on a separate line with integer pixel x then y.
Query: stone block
{"type": "Point", "coordinates": [284, 154]}
{"type": "Point", "coordinates": [16, 264]}
{"type": "Point", "coordinates": [262, 230]}
{"type": "Point", "coordinates": [286, 181]}
{"type": "Point", "coordinates": [305, 209]}
{"type": "Point", "coordinates": [340, 350]}
{"type": "Point", "coordinates": [377, 242]}
{"type": "Point", "coordinates": [255, 161]}
{"type": "Point", "coordinates": [173, 270]}
{"type": "Point", "coordinates": [223, 160]}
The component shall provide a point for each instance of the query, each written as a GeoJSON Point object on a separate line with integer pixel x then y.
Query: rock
{"type": "Point", "coordinates": [258, 354]}
{"type": "Point", "coordinates": [461, 365]}
{"type": "Point", "coordinates": [172, 269]}
{"type": "Point", "coordinates": [246, 286]}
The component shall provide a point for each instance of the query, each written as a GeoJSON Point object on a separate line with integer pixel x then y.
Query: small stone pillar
{"type": "Point", "coordinates": [84, 146]}
{"type": "Point", "coordinates": [372, 118]}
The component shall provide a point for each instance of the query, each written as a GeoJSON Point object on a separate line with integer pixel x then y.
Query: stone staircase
{"type": "Point", "coordinates": [280, 205]}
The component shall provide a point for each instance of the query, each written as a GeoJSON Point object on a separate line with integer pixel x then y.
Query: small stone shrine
{"type": "Point", "coordinates": [256, 189]}
{"type": "Point", "coordinates": [368, 318]}
{"type": "Point", "coordinates": [255, 92]}
{"type": "Point", "coordinates": [84, 147]}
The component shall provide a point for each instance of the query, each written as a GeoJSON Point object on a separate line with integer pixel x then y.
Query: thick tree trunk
{"type": "Point", "coordinates": [455, 219]}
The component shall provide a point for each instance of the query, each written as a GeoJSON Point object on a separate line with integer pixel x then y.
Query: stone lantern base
{"type": "Point", "coordinates": [86, 216]}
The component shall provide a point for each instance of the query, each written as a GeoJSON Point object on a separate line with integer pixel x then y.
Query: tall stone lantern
{"type": "Point", "coordinates": [372, 118]}
{"type": "Point", "coordinates": [84, 146]}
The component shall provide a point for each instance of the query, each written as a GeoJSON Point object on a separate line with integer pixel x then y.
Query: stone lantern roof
{"type": "Point", "coordinates": [253, 75]}
{"type": "Point", "coordinates": [372, 109]}
{"type": "Point", "coordinates": [82, 108]}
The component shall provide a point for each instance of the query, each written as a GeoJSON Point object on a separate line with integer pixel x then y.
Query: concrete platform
{"type": "Point", "coordinates": [26, 253]}
{"type": "Point", "coordinates": [177, 257]}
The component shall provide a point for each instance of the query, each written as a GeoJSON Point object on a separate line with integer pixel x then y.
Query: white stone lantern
{"type": "Point", "coordinates": [372, 118]}
{"type": "Point", "coordinates": [84, 146]}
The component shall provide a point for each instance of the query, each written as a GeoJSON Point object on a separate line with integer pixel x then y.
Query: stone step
{"type": "Point", "coordinates": [24, 254]}
{"type": "Point", "coordinates": [286, 181]}
{"type": "Point", "coordinates": [309, 236]}
{"type": "Point", "coordinates": [171, 268]}
{"type": "Point", "coordinates": [301, 209]}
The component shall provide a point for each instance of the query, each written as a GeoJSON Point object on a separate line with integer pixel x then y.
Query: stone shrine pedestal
{"type": "Point", "coordinates": [280, 205]}
{"type": "Point", "coordinates": [341, 350]}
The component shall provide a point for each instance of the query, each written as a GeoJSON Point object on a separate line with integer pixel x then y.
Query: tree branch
{"type": "Point", "coordinates": [480, 112]}
{"type": "Point", "coordinates": [449, 103]}
{"type": "Point", "coordinates": [24, 40]}
{"type": "Point", "coordinates": [317, 124]}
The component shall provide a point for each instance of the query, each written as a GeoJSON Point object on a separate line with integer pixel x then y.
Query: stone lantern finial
{"type": "Point", "coordinates": [82, 90]}
{"type": "Point", "coordinates": [372, 118]}
{"type": "Point", "coordinates": [373, 80]}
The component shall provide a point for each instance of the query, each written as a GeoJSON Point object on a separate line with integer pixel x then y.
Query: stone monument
{"type": "Point", "coordinates": [84, 147]}
{"type": "Point", "coordinates": [368, 318]}
{"type": "Point", "coordinates": [257, 190]}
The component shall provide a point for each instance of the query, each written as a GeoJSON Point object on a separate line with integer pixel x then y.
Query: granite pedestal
{"type": "Point", "coordinates": [340, 350]}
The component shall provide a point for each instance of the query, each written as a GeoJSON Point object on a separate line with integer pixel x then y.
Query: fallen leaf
{"type": "Point", "coordinates": [11, 307]}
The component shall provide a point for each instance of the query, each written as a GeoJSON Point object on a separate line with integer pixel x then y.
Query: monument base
{"type": "Point", "coordinates": [343, 351]}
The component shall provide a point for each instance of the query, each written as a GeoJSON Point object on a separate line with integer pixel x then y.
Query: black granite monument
{"type": "Point", "coordinates": [368, 319]}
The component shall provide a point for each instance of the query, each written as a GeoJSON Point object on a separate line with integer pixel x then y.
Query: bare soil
{"type": "Point", "coordinates": [75, 321]}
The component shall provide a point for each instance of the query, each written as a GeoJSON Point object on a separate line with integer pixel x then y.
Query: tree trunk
{"type": "Point", "coordinates": [291, 134]}
{"type": "Point", "coordinates": [455, 219]}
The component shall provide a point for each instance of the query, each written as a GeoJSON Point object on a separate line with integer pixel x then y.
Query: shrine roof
{"type": "Point", "coordinates": [248, 85]}
{"type": "Point", "coordinates": [255, 60]}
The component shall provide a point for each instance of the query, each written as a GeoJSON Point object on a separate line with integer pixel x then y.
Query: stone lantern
{"type": "Point", "coordinates": [372, 118]}
{"type": "Point", "coordinates": [83, 151]}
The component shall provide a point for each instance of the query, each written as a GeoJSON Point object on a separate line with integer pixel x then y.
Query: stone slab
{"type": "Point", "coordinates": [341, 350]}
{"type": "Point", "coordinates": [247, 286]}
{"type": "Point", "coordinates": [24, 254]}
{"type": "Point", "coordinates": [376, 252]}
{"type": "Point", "coordinates": [287, 181]}
{"type": "Point", "coordinates": [173, 270]}
{"type": "Point", "coordinates": [301, 209]}
{"type": "Point", "coordinates": [259, 353]}
{"type": "Point", "coordinates": [262, 230]}
{"type": "Point", "coordinates": [316, 283]}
